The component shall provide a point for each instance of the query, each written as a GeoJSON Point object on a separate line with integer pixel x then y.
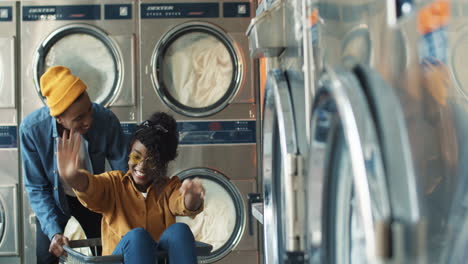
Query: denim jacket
{"type": "Point", "coordinates": [38, 134]}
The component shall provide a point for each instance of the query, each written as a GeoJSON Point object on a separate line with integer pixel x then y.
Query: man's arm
{"type": "Point", "coordinates": [39, 188]}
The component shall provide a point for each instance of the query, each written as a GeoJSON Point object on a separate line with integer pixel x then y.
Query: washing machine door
{"type": "Point", "coordinates": [7, 72]}
{"type": "Point", "coordinates": [223, 219]}
{"type": "Point", "coordinates": [347, 194]}
{"type": "Point", "coordinates": [196, 69]}
{"type": "Point", "coordinates": [279, 156]}
{"type": "Point", "coordinates": [363, 202]}
{"type": "Point", "coordinates": [90, 53]}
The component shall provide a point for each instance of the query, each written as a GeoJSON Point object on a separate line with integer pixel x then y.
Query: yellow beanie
{"type": "Point", "coordinates": [61, 88]}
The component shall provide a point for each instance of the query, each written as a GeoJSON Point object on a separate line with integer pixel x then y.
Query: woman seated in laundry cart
{"type": "Point", "coordinates": [138, 207]}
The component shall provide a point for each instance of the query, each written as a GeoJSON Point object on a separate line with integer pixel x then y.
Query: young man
{"type": "Point", "coordinates": [53, 201]}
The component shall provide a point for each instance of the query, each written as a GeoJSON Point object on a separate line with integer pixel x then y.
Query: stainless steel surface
{"type": "Point", "coordinates": [9, 228]}
{"type": "Point", "coordinates": [238, 162]}
{"type": "Point", "coordinates": [282, 172]}
{"type": "Point", "coordinates": [8, 63]}
{"type": "Point", "coordinates": [418, 110]}
{"type": "Point", "coordinates": [262, 42]}
{"type": "Point", "coordinates": [119, 35]}
{"type": "Point", "coordinates": [10, 188]}
{"type": "Point", "coordinates": [220, 157]}
{"type": "Point", "coordinates": [365, 158]}
{"type": "Point", "coordinates": [242, 106]}
{"type": "Point", "coordinates": [257, 211]}
{"type": "Point", "coordinates": [284, 136]}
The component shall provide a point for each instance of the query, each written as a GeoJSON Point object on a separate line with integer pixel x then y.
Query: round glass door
{"type": "Point", "coordinates": [90, 54]}
{"type": "Point", "coordinates": [196, 69]}
{"type": "Point", "coordinates": [222, 221]}
{"type": "Point", "coordinates": [346, 167]}
{"type": "Point", "coordinates": [347, 242]}
{"type": "Point", "coordinates": [2, 221]}
{"type": "Point", "coordinates": [279, 141]}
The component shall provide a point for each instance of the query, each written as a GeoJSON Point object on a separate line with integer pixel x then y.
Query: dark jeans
{"type": "Point", "coordinates": [138, 247]}
{"type": "Point", "coordinates": [89, 221]}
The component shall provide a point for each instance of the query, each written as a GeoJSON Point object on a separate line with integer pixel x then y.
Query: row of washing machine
{"type": "Point", "coordinates": [187, 58]}
{"type": "Point", "coordinates": [364, 131]}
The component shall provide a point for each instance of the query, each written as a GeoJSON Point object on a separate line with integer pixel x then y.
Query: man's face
{"type": "Point", "coordinates": [78, 116]}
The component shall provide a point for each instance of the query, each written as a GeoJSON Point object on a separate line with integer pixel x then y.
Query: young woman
{"type": "Point", "coordinates": [138, 207]}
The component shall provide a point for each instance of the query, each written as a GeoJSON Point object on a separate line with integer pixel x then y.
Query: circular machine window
{"type": "Point", "coordinates": [90, 54]}
{"type": "Point", "coordinates": [357, 44]}
{"type": "Point", "coordinates": [196, 69]}
{"type": "Point", "coordinates": [222, 221]}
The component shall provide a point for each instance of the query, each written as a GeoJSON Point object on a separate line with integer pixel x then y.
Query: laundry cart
{"type": "Point", "coordinates": [75, 257]}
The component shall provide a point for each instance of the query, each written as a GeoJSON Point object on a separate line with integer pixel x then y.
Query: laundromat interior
{"type": "Point", "coordinates": [323, 131]}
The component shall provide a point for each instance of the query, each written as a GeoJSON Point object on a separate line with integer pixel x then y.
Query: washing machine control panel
{"type": "Point", "coordinates": [8, 137]}
{"type": "Point", "coordinates": [188, 10]}
{"type": "Point", "coordinates": [210, 132]}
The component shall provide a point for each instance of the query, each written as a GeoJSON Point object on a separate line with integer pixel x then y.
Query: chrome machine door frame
{"type": "Point", "coordinates": [45, 46]}
{"type": "Point", "coordinates": [281, 167]}
{"type": "Point", "coordinates": [235, 194]}
{"type": "Point", "coordinates": [157, 60]}
{"type": "Point", "coordinates": [350, 112]}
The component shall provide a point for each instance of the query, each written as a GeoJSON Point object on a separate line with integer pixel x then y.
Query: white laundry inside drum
{"type": "Point", "coordinates": [7, 92]}
{"type": "Point", "coordinates": [216, 223]}
{"type": "Point", "coordinates": [197, 70]}
{"type": "Point", "coordinates": [88, 58]}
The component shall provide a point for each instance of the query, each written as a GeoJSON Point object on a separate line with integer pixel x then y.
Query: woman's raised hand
{"type": "Point", "coordinates": [68, 154]}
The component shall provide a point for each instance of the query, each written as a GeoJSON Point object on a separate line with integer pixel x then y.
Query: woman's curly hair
{"type": "Point", "coordinates": [160, 137]}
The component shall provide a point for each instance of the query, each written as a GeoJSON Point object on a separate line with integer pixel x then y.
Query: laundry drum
{"type": "Point", "coordinates": [222, 222]}
{"type": "Point", "coordinates": [89, 53]}
{"type": "Point", "coordinates": [196, 69]}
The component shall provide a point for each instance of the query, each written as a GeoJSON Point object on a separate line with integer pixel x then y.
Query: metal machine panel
{"type": "Point", "coordinates": [218, 132]}
{"type": "Point", "coordinates": [9, 215]}
{"type": "Point", "coordinates": [8, 64]}
{"type": "Point", "coordinates": [51, 28]}
{"type": "Point", "coordinates": [180, 17]}
{"type": "Point", "coordinates": [10, 209]}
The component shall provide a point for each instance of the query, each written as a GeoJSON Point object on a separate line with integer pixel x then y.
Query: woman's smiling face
{"type": "Point", "coordinates": [142, 168]}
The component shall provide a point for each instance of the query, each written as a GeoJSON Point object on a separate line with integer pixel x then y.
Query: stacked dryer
{"type": "Point", "coordinates": [10, 209]}
{"type": "Point", "coordinates": [195, 65]}
{"type": "Point", "coordinates": [97, 41]}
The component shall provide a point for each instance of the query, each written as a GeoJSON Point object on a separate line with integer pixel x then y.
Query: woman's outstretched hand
{"type": "Point", "coordinates": [193, 192]}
